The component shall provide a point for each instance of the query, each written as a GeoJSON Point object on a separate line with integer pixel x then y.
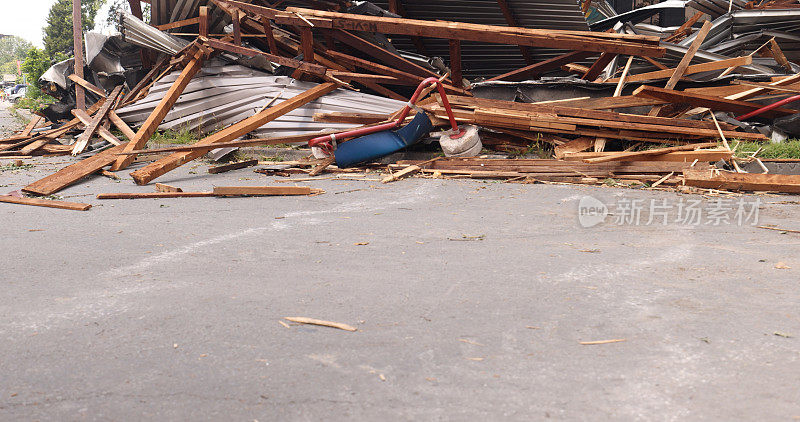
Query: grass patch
{"type": "Point", "coordinates": [170, 136]}
{"type": "Point", "coordinates": [787, 149]}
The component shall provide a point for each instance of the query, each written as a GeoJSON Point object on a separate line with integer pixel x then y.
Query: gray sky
{"type": "Point", "coordinates": [26, 18]}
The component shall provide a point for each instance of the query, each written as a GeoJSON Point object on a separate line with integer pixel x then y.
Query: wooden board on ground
{"type": "Point", "coordinates": [232, 166]}
{"type": "Point", "coordinates": [75, 206]}
{"type": "Point", "coordinates": [263, 190]}
{"type": "Point", "coordinates": [74, 172]}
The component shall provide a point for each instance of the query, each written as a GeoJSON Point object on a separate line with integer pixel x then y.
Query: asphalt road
{"type": "Point", "coordinates": [471, 301]}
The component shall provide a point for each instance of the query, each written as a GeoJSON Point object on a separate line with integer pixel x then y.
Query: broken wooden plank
{"type": "Point", "coordinates": [121, 125]}
{"type": "Point", "coordinates": [75, 206]}
{"type": "Point", "coordinates": [408, 171]}
{"type": "Point", "coordinates": [87, 85]}
{"type": "Point", "coordinates": [232, 166]}
{"type": "Point", "coordinates": [74, 172]}
{"type": "Point", "coordinates": [166, 164]}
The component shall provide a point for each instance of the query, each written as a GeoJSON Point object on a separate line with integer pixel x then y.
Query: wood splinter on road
{"type": "Point", "coordinates": [587, 343]}
{"type": "Point", "coordinates": [312, 321]}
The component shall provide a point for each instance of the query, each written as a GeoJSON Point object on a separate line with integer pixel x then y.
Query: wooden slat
{"type": "Point", "coordinates": [232, 166]}
{"type": "Point", "coordinates": [646, 153]}
{"type": "Point", "coordinates": [305, 66]}
{"type": "Point", "coordinates": [538, 68]}
{"type": "Point", "coordinates": [707, 101]}
{"type": "Point", "coordinates": [103, 132]}
{"type": "Point", "coordinates": [146, 195]}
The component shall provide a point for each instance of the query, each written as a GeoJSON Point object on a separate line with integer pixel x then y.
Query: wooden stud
{"type": "Point", "coordinates": [455, 63]}
{"type": "Point", "coordinates": [203, 21]}
{"type": "Point", "coordinates": [75, 206]}
{"type": "Point", "coordinates": [77, 45]}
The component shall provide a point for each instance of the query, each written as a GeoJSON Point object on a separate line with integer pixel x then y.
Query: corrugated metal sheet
{"type": "Point", "coordinates": [221, 95]}
{"type": "Point", "coordinates": [482, 59]}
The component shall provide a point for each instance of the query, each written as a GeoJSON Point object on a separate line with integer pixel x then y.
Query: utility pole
{"type": "Point", "coordinates": [77, 38]}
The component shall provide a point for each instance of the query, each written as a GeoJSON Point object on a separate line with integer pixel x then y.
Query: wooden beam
{"type": "Point", "coordinates": [598, 66]}
{"type": "Point", "coordinates": [77, 46]}
{"type": "Point", "coordinates": [74, 172]}
{"type": "Point", "coordinates": [121, 125]}
{"type": "Point", "coordinates": [455, 63]}
{"type": "Point", "coordinates": [307, 44]}
{"type": "Point", "coordinates": [232, 166]}
{"type": "Point", "coordinates": [203, 22]}
{"type": "Point", "coordinates": [305, 66]}
{"type": "Point", "coordinates": [160, 111]}
{"type": "Point", "coordinates": [707, 101]}
{"type": "Point", "coordinates": [151, 195]}
{"type": "Point", "coordinates": [160, 167]}
{"type": "Point", "coordinates": [178, 24]}
{"type": "Point", "coordinates": [87, 85]}
{"type": "Point", "coordinates": [571, 40]}
{"type": "Point", "coordinates": [273, 47]}
{"type": "Point", "coordinates": [75, 206]}
{"type": "Point", "coordinates": [237, 30]}
{"type": "Point", "coordinates": [512, 21]}
{"type": "Point", "coordinates": [685, 61]}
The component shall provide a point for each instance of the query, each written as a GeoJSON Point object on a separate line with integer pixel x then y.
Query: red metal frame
{"type": "Point", "coordinates": [325, 141]}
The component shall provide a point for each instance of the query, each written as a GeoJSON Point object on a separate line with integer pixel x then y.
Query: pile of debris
{"type": "Point", "coordinates": [625, 100]}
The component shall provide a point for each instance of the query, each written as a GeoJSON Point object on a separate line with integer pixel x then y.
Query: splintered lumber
{"type": "Point", "coordinates": [75, 206]}
{"type": "Point", "coordinates": [94, 124]}
{"type": "Point", "coordinates": [647, 153]}
{"type": "Point", "coordinates": [161, 187]}
{"type": "Point", "coordinates": [157, 116]}
{"type": "Point", "coordinates": [263, 190]}
{"type": "Point", "coordinates": [571, 40]}
{"type": "Point", "coordinates": [166, 164]}
{"type": "Point", "coordinates": [150, 195]}
{"type": "Point", "coordinates": [742, 181]}
{"type": "Point", "coordinates": [103, 132]}
{"type": "Point", "coordinates": [232, 166]}
{"type": "Point", "coordinates": [74, 172]}
{"type": "Point", "coordinates": [707, 101]}
{"type": "Point", "coordinates": [314, 321]}
{"type": "Point", "coordinates": [695, 68]}
{"type": "Point", "coordinates": [575, 145]}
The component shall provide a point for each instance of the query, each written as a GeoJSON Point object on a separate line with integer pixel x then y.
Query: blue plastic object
{"type": "Point", "coordinates": [381, 144]}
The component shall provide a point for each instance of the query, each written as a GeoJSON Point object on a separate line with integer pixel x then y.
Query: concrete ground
{"type": "Point", "coordinates": [471, 300]}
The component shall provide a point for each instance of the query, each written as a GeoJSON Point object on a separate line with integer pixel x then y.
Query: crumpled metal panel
{"type": "Point", "coordinates": [221, 95]}
{"type": "Point", "coordinates": [639, 14]}
{"type": "Point", "coordinates": [137, 32]}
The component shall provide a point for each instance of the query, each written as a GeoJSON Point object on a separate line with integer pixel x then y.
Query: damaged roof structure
{"type": "Point", "coordinates": [627, 95]}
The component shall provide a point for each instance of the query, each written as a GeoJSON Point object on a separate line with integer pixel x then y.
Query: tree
{"type": "Point", "coordinates": [12, 49]}
{"type": "Point", "coordinates": [36, 63]}
{"type": "Point", "coordinates": [58, 32]}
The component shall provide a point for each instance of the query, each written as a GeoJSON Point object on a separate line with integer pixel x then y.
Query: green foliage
{"type": "Point", "coordinates": [115, 8]}
{"type": "Point", "coordinates": [36, 63]}
{"type": "Point", "coordinates": [12, 49]}
{"type": "Point", "coordinates": [58, 32]}
{"type": "Point", "coordinates": [786, 149]}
